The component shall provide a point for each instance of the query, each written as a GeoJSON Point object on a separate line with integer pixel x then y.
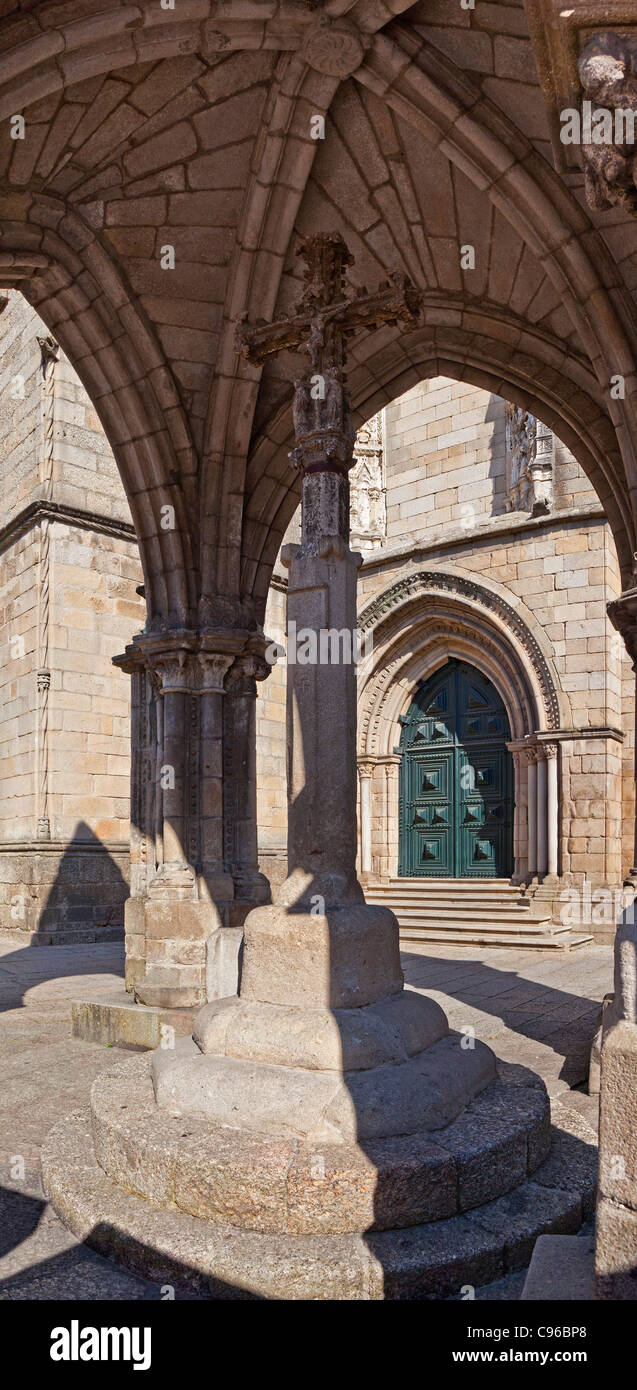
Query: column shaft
{"type": "Point", "coordinates": [532, 817]}
{"type": "Point", "coordinates": [241, 853]}
{"type": "Point", "coordinates": [542, 827]}
{"type": "Point", "coordinates": [173, 778]}
{"type": "Point", "coordinates": [552, 815]}
{"type": "Point", "coordinates": [366, 820]}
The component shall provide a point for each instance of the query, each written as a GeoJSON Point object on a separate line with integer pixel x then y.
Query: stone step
{"type": "Point", "coordinates": [215, 1173]}
{"type": "Point", "coordinates": [459, 913]}
{"type": "Point", "coordinates": [416, 921]}
{"type": "Point", "coordinates": [418, 879]}
{"type": "Point", "coordinates": [510, 904]}
{"type": "Point", "coordinates": [430, 1261]}
{"type": "Point", "coordinates": [457, 886]}
{"type": "Point", "coordinates": [447, 890]}
{"type": "Point", "coordinates": [465, 912]}
{"type": "Point", "coordinates": [466, 936]}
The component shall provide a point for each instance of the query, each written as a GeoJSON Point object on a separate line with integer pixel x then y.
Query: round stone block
{"type": "Point", "coordinates": [319, 1038]}
{"type": "Point", "coordinates": [343, 959]}
{"type": "Point", "coordinates": [425, 1092]}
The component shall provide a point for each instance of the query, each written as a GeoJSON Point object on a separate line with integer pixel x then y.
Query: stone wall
{"type": "Point", "coordinates": [69, 569]}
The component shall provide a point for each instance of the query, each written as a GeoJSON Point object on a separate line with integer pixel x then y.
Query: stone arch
{"type": "Point", "coordinates": [66, 275]}
{"type": "Point", "coordinates": [426, 617]}
{"type": "Point", "coordinates": [418, 623]}
{"type": "Point", "coordinates": [555, 385]}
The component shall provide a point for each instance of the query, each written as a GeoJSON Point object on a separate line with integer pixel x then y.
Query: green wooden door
{"type": "Point", "coordinates": [456, 779]}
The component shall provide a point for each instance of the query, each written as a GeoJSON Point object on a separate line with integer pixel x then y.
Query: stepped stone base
{"type": "Point", "coordinates": [233, 1214]}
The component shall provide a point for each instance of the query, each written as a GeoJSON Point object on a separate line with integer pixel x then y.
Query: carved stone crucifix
{"type": "Point", "coordinates": [326, 316]}
{"type": "Point", "coordinates": [321, 694]}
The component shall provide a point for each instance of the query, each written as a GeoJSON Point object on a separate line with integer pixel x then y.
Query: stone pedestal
{"type": "Point", "coordinates": [321, 1134]}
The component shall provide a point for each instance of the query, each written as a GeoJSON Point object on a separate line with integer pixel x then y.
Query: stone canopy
{"type": "Point", "coordinates": [161, 169]}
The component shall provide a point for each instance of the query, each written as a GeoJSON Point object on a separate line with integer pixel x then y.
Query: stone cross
{"type": "Point", "coordinates": [321, 693]}
{"type": "Point", "coordinates": [325, 317]}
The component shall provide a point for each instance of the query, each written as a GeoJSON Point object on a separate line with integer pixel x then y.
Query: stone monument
{"type": "Point", "coordinates": [321, 1133]}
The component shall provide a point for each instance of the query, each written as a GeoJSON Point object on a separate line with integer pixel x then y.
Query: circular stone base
{"type": "Point", "coordinates": [280, 1185]}
{"type": "Point", "coordinates": [426, 1092]}
{"type": "Point", "coordinates": [221, 1262]}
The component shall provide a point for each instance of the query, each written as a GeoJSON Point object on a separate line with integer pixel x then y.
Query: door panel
{"type": "Point", "coordinates": [456, 782]}
{"type": "Point", "coordinates": [484, 821]}
{"type": "Point", "coordinates": [428, 819]}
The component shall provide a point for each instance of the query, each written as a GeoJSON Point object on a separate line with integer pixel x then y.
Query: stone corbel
{"type": "Point", "coordinates": [586, 56]}
{"type": "Point", "coordinates": [623, 615]}
{"type": "Point", "coordinates": [608, 74]}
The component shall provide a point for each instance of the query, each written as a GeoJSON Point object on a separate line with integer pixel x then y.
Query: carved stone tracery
{"type": "Point", "coordinates": [529, 457]}
{"type": "Point", "coordinates": [368, 513]}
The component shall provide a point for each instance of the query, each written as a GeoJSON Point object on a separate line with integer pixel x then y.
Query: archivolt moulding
{"type": "Point", "coordinates": [428, 615]}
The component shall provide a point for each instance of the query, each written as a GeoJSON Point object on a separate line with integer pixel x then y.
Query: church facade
{"type": "Point", "coordinates": [495, 698]}
{"type": "Point", "coordinates": [487, 568]}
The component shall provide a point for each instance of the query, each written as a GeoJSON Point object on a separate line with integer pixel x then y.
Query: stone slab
{"type": "Point", "coordinates": [116, 1021]}
{"type": "Point", "coordinates": [562, 1270]}
{"type": "Point", "coordinates": [224, 951]}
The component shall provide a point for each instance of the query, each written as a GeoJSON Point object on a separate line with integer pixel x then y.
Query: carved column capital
{"type": "Point", "coordinates": [366, 767]}
{"type": "Point", "coordinates": [244, 672]}
{"type": "Point", "coordinates": [193, 663]}
{"type": "Point", "coordinates": [212, 668]}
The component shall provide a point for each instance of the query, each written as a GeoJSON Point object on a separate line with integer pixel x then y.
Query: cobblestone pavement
{"type": "Point", "coordinates": [536, 1008]}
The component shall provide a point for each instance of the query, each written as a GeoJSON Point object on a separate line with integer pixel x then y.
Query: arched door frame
{"type": "Point", "coordinates": [418, 624]}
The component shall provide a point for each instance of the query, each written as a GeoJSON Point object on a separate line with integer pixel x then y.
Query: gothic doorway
{"type": "Point", "coordinates": [456, 779]}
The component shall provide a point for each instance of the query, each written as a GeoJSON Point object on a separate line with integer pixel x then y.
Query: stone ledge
{"type": "Point", "coordinates": [426, 1092]}
{"type": "Point", "coordinates": [384, 1033]}
{"type": "Point", "coordinates": [116, 1020]}
{"type": "Point", "coordinates": [82, 936]}
{"type": "Point", "coordinates": [562, 1269]}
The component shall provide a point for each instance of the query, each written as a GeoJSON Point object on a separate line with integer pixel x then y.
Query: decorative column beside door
{"type": "Point", "coordinates": [365, 774]}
